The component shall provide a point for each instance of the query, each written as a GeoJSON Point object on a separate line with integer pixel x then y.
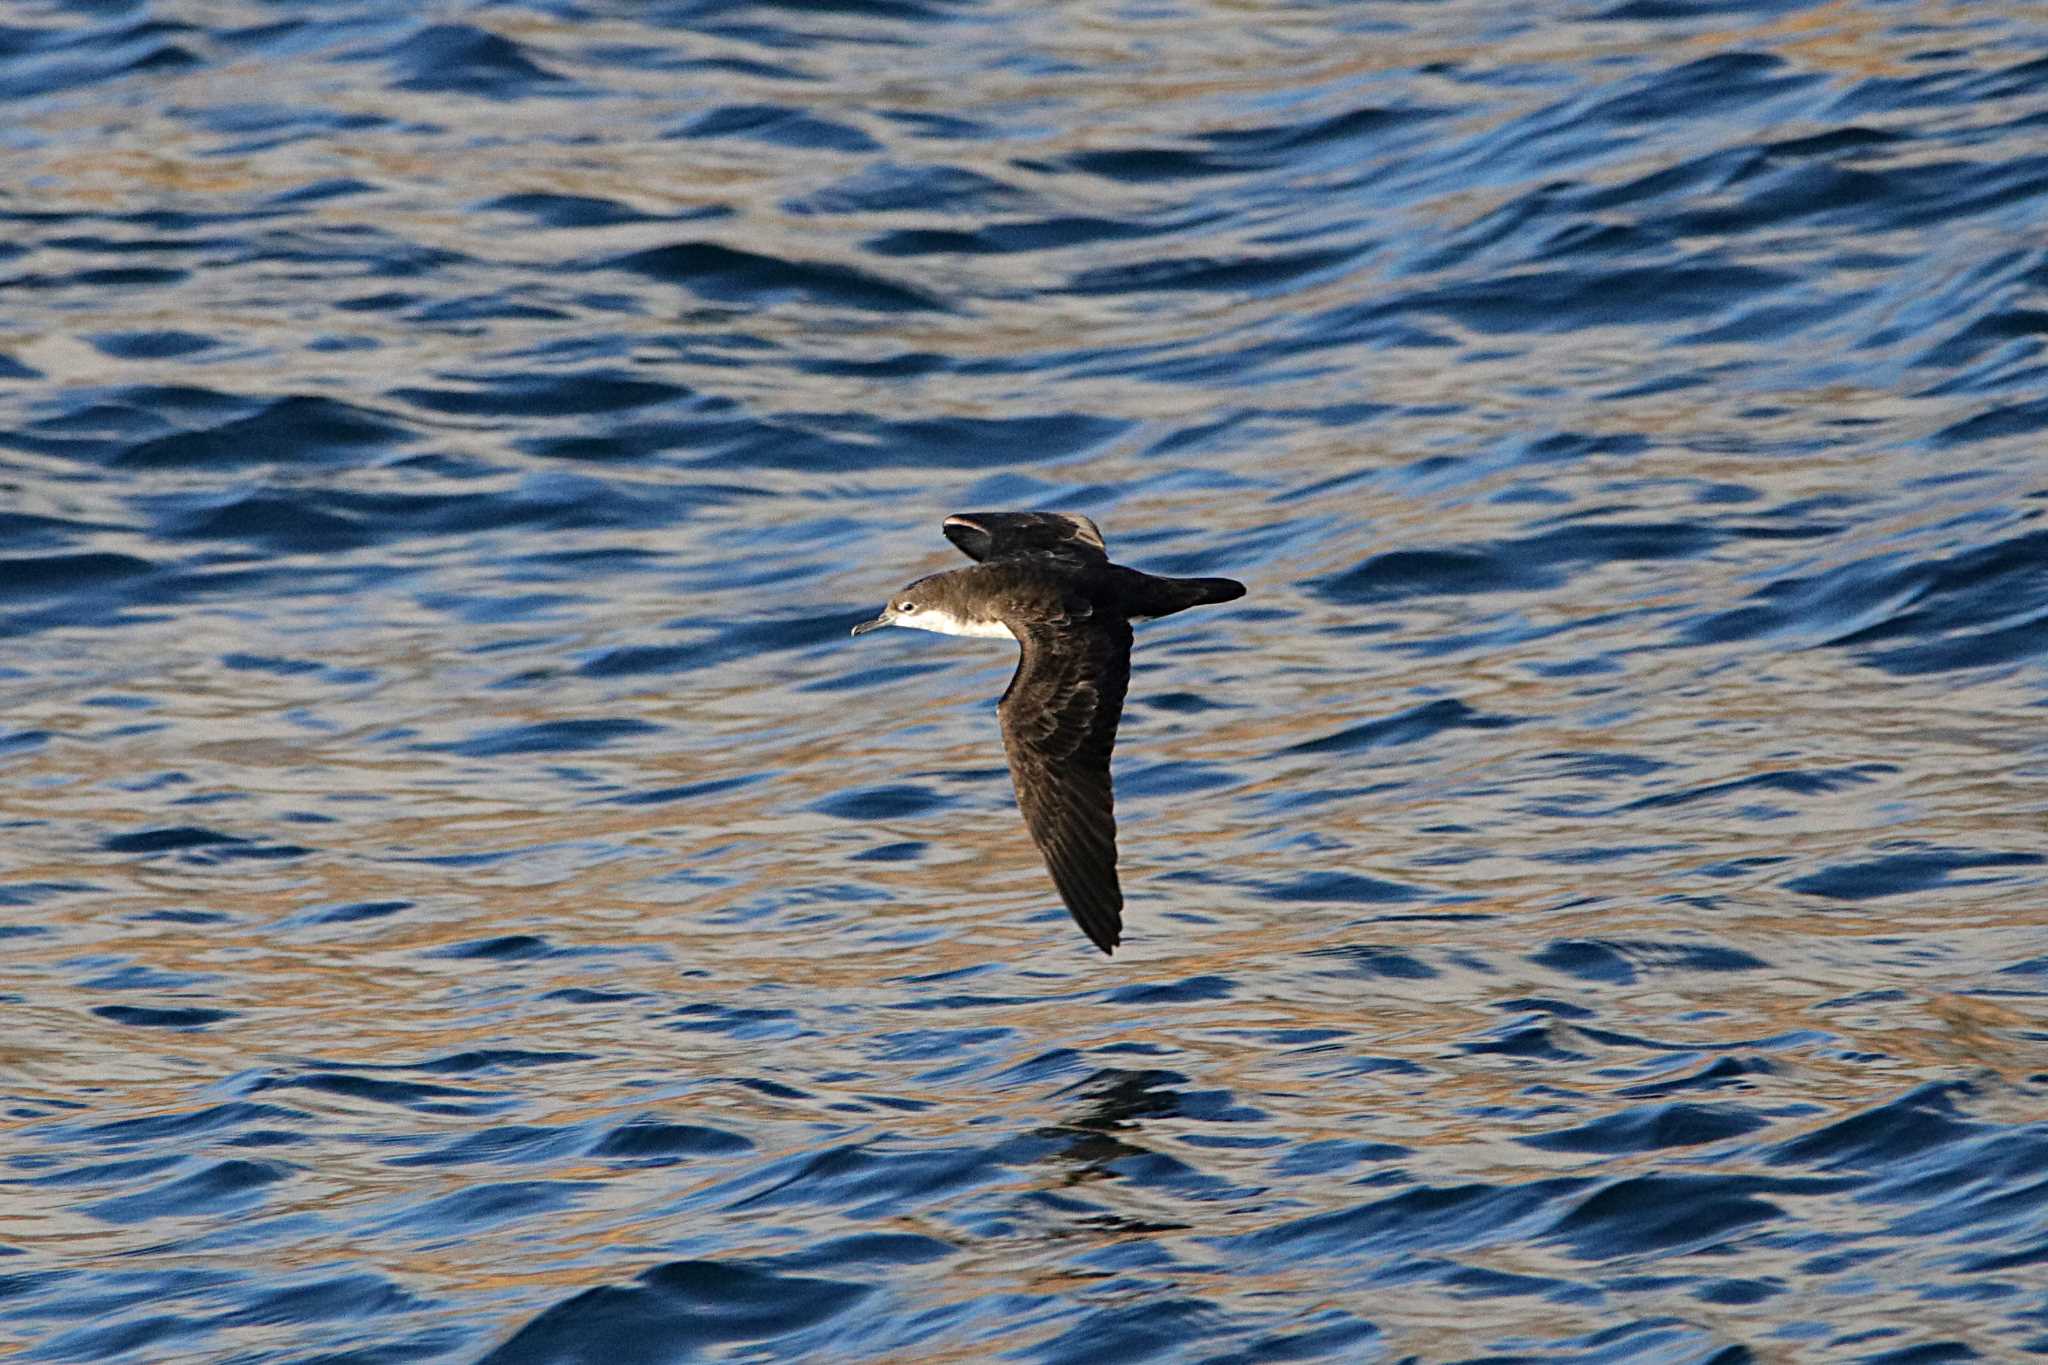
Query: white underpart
{"type": "Point", "coordinates": [946, 623]}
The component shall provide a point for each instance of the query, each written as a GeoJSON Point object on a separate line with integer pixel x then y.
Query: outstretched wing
{"type": "Point", "coordinates": [1059, 723]}
{"type": "Point", "coordinates": [999, 535]}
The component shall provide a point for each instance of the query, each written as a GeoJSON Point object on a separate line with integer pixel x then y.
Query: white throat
{"type": "Point", "coordinates": [946, 623]}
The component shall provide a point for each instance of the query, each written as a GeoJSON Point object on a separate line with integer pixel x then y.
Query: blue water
{"type": "Point", "coordinates": [465, 896]}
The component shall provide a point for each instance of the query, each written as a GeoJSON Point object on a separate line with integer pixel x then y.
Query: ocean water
{"type": "Point", "coordinates": [464, 896]}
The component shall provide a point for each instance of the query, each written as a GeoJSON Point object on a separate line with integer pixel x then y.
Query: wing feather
{"type": "Point", "coordinates": [1059, 722]}
{"type": "Point", "coordinates": [1000, 535]}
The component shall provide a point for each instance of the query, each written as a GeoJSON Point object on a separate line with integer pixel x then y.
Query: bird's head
{"type": "Point", "coordinates": [942, 602]}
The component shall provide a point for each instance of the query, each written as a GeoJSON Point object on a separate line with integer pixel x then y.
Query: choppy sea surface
{"type": "Point", "coordinates": [464, 896]}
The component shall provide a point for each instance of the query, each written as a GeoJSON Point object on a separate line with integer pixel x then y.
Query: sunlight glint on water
{"type": "Point", "coordinates": [465, 896]}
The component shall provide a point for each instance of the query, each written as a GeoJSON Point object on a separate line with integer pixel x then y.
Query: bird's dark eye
{"type": "Point", "coordinates": [906, 606]}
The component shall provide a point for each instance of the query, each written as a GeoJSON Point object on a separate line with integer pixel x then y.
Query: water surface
{"type": "Point", "coordinates": [465, 896]}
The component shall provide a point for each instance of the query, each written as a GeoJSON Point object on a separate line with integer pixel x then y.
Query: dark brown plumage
{"type": "Point", "coordinates": [1045, 579]}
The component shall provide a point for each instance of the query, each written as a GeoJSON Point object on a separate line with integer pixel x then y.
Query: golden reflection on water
{"type": "Point", "coordinates": [648, 893]}
{"type": "Point", "coordinates": [744, 897]}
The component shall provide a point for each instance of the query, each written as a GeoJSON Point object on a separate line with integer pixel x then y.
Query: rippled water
{"type": "Point", "coordinates": [465, 895]}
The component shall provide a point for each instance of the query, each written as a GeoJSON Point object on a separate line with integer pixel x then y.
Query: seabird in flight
{"type": "Point", "coordinates": [1044, 580]}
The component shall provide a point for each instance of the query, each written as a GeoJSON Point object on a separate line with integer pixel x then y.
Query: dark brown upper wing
{"type": "Point", "coordinates": [1059, 724]}
{"type": "Point", "coordinates": [998, 535]}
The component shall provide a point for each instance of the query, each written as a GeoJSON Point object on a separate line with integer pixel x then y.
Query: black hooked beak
{"type": "Point", "coordinates": [884, 619]}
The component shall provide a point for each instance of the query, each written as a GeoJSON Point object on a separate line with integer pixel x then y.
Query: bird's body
{"type": "Point", "coordinates": [1044, 579]}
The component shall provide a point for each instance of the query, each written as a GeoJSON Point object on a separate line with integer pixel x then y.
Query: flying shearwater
{"type": "Point", "coordinates": [1044, 580]}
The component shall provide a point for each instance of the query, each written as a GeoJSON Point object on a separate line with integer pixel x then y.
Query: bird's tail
{"type": "Point", "coordinates": [1165, 596]}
